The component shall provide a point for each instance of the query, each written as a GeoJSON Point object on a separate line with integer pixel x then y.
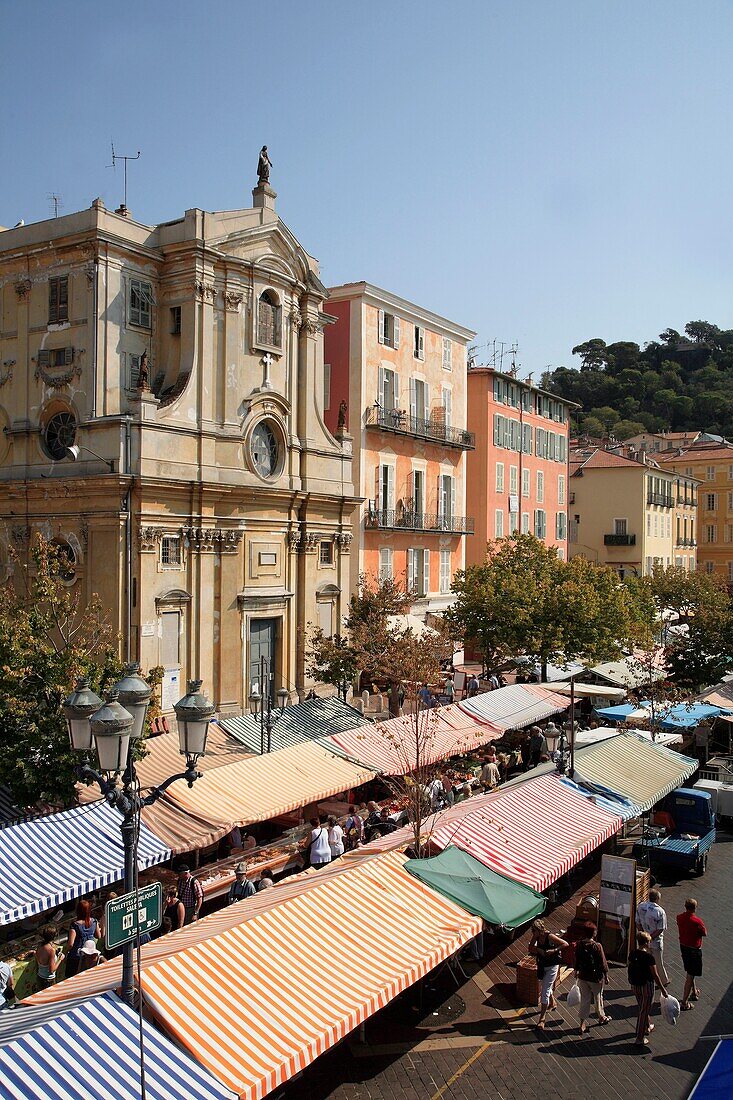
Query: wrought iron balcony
{"type": "Point", "coordinates": [400, 422]}
{"type": "Point", "coordinates": [619, 540]}
{"type": "Point", "coordinates": [662, 499]}
{"type": "Point", "coordinates": [399, 520]}
{"type": "Point", "coordinates": [685, 542]}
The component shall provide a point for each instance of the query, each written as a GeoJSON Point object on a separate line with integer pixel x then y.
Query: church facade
{"type": "Point", "coordinates": [203, 498]}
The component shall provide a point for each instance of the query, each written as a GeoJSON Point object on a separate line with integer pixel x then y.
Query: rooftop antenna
{"type": "Point", "coordinates": [119, 156]}
{"type": "Point", "coordinates": [56, 202]}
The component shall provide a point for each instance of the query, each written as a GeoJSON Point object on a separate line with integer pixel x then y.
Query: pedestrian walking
{"type": "Point", "coordinates": [85, 929]}
{"type": "Point", "coordinates": [241, 888]}
{"type": "Point", "coordinates": [691, 932]}
{"type": "Point", "coordinates": [320, 849]}
{"type": "Point", "coordinates": [191, 893]}
{"type": "Point", "coordinates": [335, 838]}
{"type": "Point", "coordinates": [643, 976]}
{"type": "Point", "coordinates": [591, 972]}
{"type": "Point", "coordinates": [537, 746]}
{"type": "Point", "coordinates": [472, 687]}
{"type": "Point", "coordinates": [547, 948]}
{"type": "Point", "coordinates": [651, 918]}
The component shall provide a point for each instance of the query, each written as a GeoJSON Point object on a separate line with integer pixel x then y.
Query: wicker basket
{"type": "Point", "coordinates": [528, 986]}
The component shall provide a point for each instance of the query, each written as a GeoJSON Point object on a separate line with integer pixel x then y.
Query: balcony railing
{"type": "Point", "coordinates": [418, 521]}
{"type": "Point", "coordinates": [662, 499]}
{"type": "Point", "coordinates": [691, 501]}
{"type": "Point", "coordinates": [397, 420]}
{"type": "Point", "coordinates": [619, 540]}
{"type": "Point", "coordinates": [686, 542]}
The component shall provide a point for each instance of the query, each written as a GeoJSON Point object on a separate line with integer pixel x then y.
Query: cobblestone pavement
{"type": "Point", "coordinates": [457, 1043]}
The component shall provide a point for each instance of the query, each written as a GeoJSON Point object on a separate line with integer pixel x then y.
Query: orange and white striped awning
{"type": "Point", "coordinates": [264, 786]}
{"type": "Point", "coordinates": [259, 1003]}
{"type": "Point", "coordinates": [393, 747]}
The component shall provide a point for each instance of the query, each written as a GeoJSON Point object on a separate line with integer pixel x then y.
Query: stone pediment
{"type": "Point", "coordinates": [272, 249]}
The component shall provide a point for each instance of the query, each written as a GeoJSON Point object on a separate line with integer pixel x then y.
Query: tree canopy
{"type": "Point", "coordinates": [679, 382]}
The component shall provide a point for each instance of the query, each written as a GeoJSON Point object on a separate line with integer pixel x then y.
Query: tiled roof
{"type": "Point", "coordinates": [600, 460]}
{"type": "Point", "coordinates": [699, 452]}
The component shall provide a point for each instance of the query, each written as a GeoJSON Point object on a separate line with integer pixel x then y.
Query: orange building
{"type": "Point", "coordinates": [401, 370]}
{"type": "Point", "coordinates": [518, 473]}
{"type": "Point", "coordinates": [712, 464]}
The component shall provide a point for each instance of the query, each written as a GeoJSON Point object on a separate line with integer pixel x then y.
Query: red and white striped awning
{"type": "Point", "coordinates": [395, 746]}
{"type": "Point", "coordinates": [533, 833]}
{"type": "Point", "coordinates": [515, 706]}
{"type": "Point", "coordinates": [257, 1004]}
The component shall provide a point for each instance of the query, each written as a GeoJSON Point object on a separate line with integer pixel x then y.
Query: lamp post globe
{"type": "Point", "coordinates": [255, 696]}
{"type": "Point", "coordinates": [111, 726]}
{"type": "Point", "coordinates": [134, 695]}
{"type": "Point", "coordinates": [78, 709]}
{"type": "Point", "coordinates": [282, 697]}
{"type": "Point", "coordinates": [193, 714]}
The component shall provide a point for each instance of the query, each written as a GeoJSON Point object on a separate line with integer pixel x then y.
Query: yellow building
{"type": "Point", "coordinates": [205, 500]}
{"type": "Point", "coordinates": [712, 465]}
{"type": "Point", "coordinates": [623, 512]}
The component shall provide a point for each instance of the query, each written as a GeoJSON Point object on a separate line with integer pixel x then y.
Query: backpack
{"type": "Point", "coordinates": [84, 934]}
{"type": "Point", "coordinates": [588, 961]}
{"type": "Point", "coordinates": [638, 968]}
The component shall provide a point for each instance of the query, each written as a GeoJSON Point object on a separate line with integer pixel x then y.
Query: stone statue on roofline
{"type": "Point", "coordinates": [264, 164]}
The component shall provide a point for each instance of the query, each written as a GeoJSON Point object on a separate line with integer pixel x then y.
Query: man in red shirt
{"type": "Point", "coordinates": [691, 930]}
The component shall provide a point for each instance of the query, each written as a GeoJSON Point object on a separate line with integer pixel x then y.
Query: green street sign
{"type": "Point", "coordinates": [139, 911]}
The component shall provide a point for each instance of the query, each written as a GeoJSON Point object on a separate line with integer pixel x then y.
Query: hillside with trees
{"type": "Point", "coordinates": [675, 383]}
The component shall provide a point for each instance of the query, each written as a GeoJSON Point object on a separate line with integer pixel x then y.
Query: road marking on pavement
{"type": "Point", "coordinates": [468, 1063]}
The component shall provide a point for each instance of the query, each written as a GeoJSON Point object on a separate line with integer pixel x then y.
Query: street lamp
{"type": "Point", "coordinates": [111, 726]}
{"type": "Point", "coordinates": [260, 699]}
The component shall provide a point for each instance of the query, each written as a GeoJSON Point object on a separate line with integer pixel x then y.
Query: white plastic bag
{"type": "Point", "coordinates": [670, 1010]}
{"type": "Point", "coordinates": [574, 996]}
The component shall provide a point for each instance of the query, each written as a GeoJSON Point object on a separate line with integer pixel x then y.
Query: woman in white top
{"type": "Point", "coordinates": [320, 849]}
{"type": "Point", "coordinates": [335, 838]}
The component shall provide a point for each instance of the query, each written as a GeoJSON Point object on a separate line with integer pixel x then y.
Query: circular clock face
{"type": "Point", "coordinates": [265, 450]}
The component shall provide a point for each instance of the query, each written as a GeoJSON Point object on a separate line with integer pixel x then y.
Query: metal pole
{"type": "Point", "coordinates": [572, 728]}
{"type": "Point", "coordinates": [262, 706]}
{"type": "Point", "coordinates": [128, 843]}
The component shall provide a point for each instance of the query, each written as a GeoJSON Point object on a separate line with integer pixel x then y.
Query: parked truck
{"type": "Point", "coordinates": [682, 834]}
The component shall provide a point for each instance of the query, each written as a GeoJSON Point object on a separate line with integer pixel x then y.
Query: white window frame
{"type": "Point", "coordinates": [561, 489]}
{"type": "Point", "coordinates": [499, 523]}
{"type": "Point", "coordinates": [447, 353]}
{"type": "Point", "coordinates": [445, 572]}
{"type": "Point", "coordinates": [526, 476]}
{"type": "Point", "coordinates": [525, 523]}
{"type": "Point", "coordinates": [418, 348]}
{"type": "Point", "coordinates": [500, 477]}
{"type": "Point", "coordinates": [138, 314]}
{"type": "Point", "coordinates": [168, 543]}
{"type": "Point", "coordinates": [540, 487]}
{"type": "Point", "coordinates": [386, 568]}
{"type": "Point", "coordinates": [388, 329]}
{"type": "Point", "coordinates": [514, 481]}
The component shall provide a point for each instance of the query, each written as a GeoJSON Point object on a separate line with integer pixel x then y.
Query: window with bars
{"type": "Point", "coordinates": [58, 299]}
{"type": "Point", "coordinates": [325, 553]}
{"type": "Point", "coordinates": [170, 550]}
{"type": "Point", "coordinates": [140, 303]}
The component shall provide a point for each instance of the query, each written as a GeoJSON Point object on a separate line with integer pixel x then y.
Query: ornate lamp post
{"type": "Point", "coordinates": [260, 699]}
{"type": "Point", "coordinates": [111, 727]}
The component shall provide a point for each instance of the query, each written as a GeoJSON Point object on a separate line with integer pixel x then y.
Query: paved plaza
{"type": "Point", "coordinates": [459, 1042]}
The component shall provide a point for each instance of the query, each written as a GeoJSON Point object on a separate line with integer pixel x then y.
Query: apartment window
{"type": "Point", "coordinates": [525, 523]}
{"type": "Point", "coordinates": [729, 532]}
{"type": "Point", "coordinates": [170, 550]}
{"type": "Point", "coordinates": [500, 477]}
{"type": "Point", "coordinates": [540, 487]}
{"type": "Point", "coordinates": [499, 524]}
{"type": "Point", "coordinates": [175, 320]}
{"type": "Point", "coordinates": [419, 347]}
{"type": "Point", "coordinates": [385, 487]}
{"type": "Point", "coordinates": [620, 527]}
{"type": "Point", "coordinates": [388, 329]}
{"type": "Point", "coordinates": [648, 523]}
{"type": "Point", "coordinates": [525, 484]}
{"type": "Point", "coordinates": [55, 357]}
{"type": "Point", "coordinates": [445, 577]}
{"type": "Point", "coordinates": [389, 389]}
{"type": "Point", "coordinates": [326, 387]}
{"type": "Point", "coordinates": [540, 523]}
{"type": "Point", "coordinates": [710, 473]}
{"type": "Point", "coordinates": [514, 481]}
{"type": "Point", "coordinates": [58, 299]}
{"type": "Point", "coordinates": [447, 406]}
{"type": "Point", "coordinates": [710, 502]}
{"type": "Point", "coordinates": [561, 526]}
{"type": "Point", "coordinates": [134, 370]}
{"type": "Point", "coordinates": [385, 564]}
{"type": "Point", "coordinates": [418, 494]}
{"type": "Point", "coordinates": [269, 320]}
{"type": "Point", "coordinates": [140, 303]}
{"type": "Point", "coordinates": [527, 439]}
{"type": "Point", "coordinates": [656, 525]}
{"type": "Point", "coordinates": [419, 400]}
{"type": "Point", "coordinates": [561, 489]}
{"type": "Point", "coordinates": [325, 552]}
{"type": "Point", "coordinates": [711, 532]}
{"type": "Point", "coordinates": [730, 502]}
{"type": "Point", "coordinates": [709, 567]}
{"type": "Point", "coordinates": [418, 572]}
{"type": "Point", "coordinates": [730, 473]}
{"type": "Point", "coordinates": [446, 500]}
{"type": "Point", "coordinates": [447, 354]}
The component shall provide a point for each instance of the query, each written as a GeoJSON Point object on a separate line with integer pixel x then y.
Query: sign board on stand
{"type": "Point", "coordinates": [617, 905]}
{"type": "Point", "coordinates": [139, 911]}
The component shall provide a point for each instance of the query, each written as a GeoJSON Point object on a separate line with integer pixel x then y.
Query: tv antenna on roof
{"type": "Point", "coordinates": [56, 202]}
{"type": "Point", "coordinates": [115, 158]}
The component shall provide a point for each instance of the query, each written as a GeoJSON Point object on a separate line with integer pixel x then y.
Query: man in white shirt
{"type": "Point", "coordinates": [651, 918]}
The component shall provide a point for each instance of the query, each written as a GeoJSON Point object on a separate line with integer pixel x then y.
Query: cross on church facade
{"type": "Point", "coordinates": [267, 361]}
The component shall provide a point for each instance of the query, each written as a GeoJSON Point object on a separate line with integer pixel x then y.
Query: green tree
{"type": "Point", "coordinates": [624, 429]}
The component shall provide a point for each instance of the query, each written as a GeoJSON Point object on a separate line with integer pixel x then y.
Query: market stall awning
{"type": "Point", "coordinates": [630, 672]}
{"type": "Point", "coordinates": [721, 695]}
{"type": "Point", "coordinates": [607, 800]}
{"type": "Point", "coordinates": [305, 721]}
{"type": "Point", "coordinates": [602, 733]}
{"type": "Point", "coordinates": [295, 980]}
{"type": "Point", "coordinates": [532, 833]}
{"type": "Point", "coordinates": [515, 706]}
{"type": "Point", "coordinates": [715, 1080]}
{"type": "Point", "coordinates": [393, 747]}
{"type": "Point", "coordinates": [92, 1052]}
{"type": "Point", "coordinates": [626, 712]}
{"type": "Point", "coordinates": [50, 860]}
{"type": "Point", "coordinates": [461, 878]}
{"type": "Point", "coordinates": [262, 787]}
{"type": "Point", "coordinates": [587, 691]}
{"type": "Point", "coordinates": [634, 767]}
{"type": "Point", "coordinates": [687, 715]}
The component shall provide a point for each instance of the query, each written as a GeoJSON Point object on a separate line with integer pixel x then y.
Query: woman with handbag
{"type": "Point", "coordinates": [547, 948]}
{"type": "Point", "coordinates": [319, 848]}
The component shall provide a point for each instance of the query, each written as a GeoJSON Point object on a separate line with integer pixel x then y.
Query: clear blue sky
{"type": "Point", "coordinates": [540, 171]}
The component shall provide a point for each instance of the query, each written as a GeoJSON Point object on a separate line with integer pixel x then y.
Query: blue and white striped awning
{"type": "Point", "coordinates": [92, 1052]}
{"type": "Point", "coordinates": [606, 799]}
{"type": "Point", "coordinates": [50, 860]}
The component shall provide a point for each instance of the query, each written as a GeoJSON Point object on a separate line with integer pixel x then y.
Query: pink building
{"type": "Point", "coordinates": [517, 476]}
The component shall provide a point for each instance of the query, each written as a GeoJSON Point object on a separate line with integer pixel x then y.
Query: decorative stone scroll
{"type": "Point", "coordinates": [233, 300]}
{"type": "Point", "coordinates": [293, 537]}
{"type": "Point", "coordinates": [212, 539]}
{"type": "Point", "coordinates": [149, 538]}
{"type": "Point", "coordinates": [204, 291]}
{"type": "Point", "coordinates": [23, 289]}
{"type": "Point", "coordinates": [343, 540]}
{"type": "Point", "coordinates": [6, 373]}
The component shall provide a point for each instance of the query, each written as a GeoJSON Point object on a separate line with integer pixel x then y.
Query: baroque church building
{"type": "Point", "coordinates": [161, 407]}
